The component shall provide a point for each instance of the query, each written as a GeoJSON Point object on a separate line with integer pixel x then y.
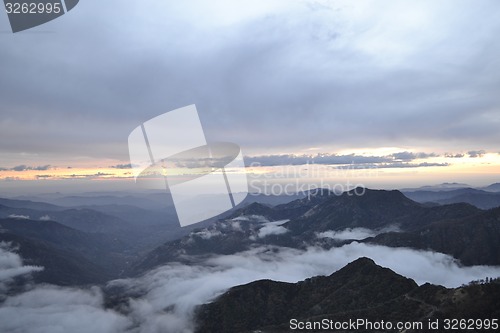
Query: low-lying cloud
{"type": "Point", "coordinates": [11, 266]}
{"type": "Point", "coordinates": [19, 217]}
{"type": "Point", "coordinates": [181, 288]}
{"type": "Point", "coordinates": [170, 294]}
{"type": "Point", "coordinates": [56, 309]}
{"type": "Point", "coordinates": [355, 233]}
{"type": "Point", "coordinates": [207, 233]}
{"type": "Point", "coordinates": [271, 229]}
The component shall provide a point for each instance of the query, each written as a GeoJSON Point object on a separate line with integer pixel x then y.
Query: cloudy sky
{"type": "Point", "coordinates": [408, 88]}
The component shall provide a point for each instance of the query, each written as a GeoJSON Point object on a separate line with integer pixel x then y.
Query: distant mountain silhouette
{"type": "Point", "coordinates": [493, 187]}
{"type": "Point", "coordinates": [28, 204]}
{"type": "Point", "coordinates": [483, 199]}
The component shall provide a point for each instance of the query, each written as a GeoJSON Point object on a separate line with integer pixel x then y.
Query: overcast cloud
{"type": "Point", "coordinates": [269, 75]}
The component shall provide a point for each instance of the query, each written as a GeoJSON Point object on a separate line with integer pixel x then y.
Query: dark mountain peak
{"type": "Point", "coordinates": [360, 263]}
{"type": "Point", "coordinates": [360, 285]}
{"type": "Point", "coordinates": [368, 198]}
{"type": "Point", "coordinates": [378, 210]}
{"type": "Point", "coordinates": [358, 208]}
{"type": "Point", "coordinates": [257, 205]}
{"type": "Point", "coordinates": [287, 211]}
{"type": "Point", "coordinates": [254, 208]}
{"type": "Point", "coordinates": [366, 194]}
{"type": "Point", "coordinates": [365, 273]}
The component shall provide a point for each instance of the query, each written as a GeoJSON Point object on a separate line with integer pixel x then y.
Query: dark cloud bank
{"type": "Point", "coordinates": [282, 79]}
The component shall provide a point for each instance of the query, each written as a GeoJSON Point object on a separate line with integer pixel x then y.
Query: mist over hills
{"type": "Point", "coordinates": [81, 245]}
{"type": "Point", "coordinates": [59, 265]}
{"type": "Point", "coordinates": [484, 198]}
{"type": "Point", "coordinates": [127, 239]}
{"type": "Point", "coordinates": [69, 256]}
{"type": "Point", "coordinates": [155, 275]}
{"type": "Point", "coordinates": [307, 222]}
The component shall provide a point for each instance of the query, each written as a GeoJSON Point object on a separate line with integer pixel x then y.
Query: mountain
{"type": "Point", "coordinates": [360, 290]}
{"type": "Point", "coordinates": [135, 215]}
{"type": "Point", "coordinates": [142, 229]}
{"type": "Point", "coordinates": [82, 219]}
{"type": "Point", "coordinates": [438, 187]}
{"type": "Point", "coordinates": [290, 210]}
{"type": "Point", "coordinates": [62, 267]}
{"type": "Point", "coordinates": [223, 237]}
{"type": "Point", "coordinates": [272, 200]}
{"type": "Point", "coordinates": [492, 188]}
{"type": "Point", "coordinates": [100, 255]}
{"type": "Point", "coordinates": [479, 198]}
{"type": "Point", "coordinates": [434, 196]}
{"type": "Point", "coordinates": [474, 240]}
{"type": "Point", "coordinates": [297, 224]}
{"type": "Point", "coordinates": [61, 235]}
{"type": "Point", "coordinates": [375, 209]}
{"type": "Point", "coordinates": [28, 204]}
{"type": "Point", "coordinates": [142, 241]}
{"type": "Point", "coordinates": [155, 200]}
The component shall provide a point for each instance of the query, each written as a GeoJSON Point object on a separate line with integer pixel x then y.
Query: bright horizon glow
{"type": "Point", "coordinates": [474, 171]}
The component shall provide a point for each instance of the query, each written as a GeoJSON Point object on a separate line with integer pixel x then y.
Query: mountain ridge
{"type": "Point", "coordinates": [361, 289]}
{"type": "Point", "coordinates": [376, 210]}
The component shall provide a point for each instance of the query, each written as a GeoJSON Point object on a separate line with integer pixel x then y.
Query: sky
{"type": "Point", "coordinates": [408, 89]}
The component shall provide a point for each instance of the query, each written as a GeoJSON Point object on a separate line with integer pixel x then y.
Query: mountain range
{"type": "Point", "coordinates": [485, 198]}
{"type": "Point", "coordinates": [94, 242]}
{"type": "Point", "coordinates": [83, 244]}
{"type": "Point", "coordinates": [126, 240]}
{"type": "Point", "coordinates": [461, 230]}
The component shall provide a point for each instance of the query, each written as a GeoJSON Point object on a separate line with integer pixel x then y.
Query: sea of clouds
{"type": "Point", "coordinates": [164, 300]}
